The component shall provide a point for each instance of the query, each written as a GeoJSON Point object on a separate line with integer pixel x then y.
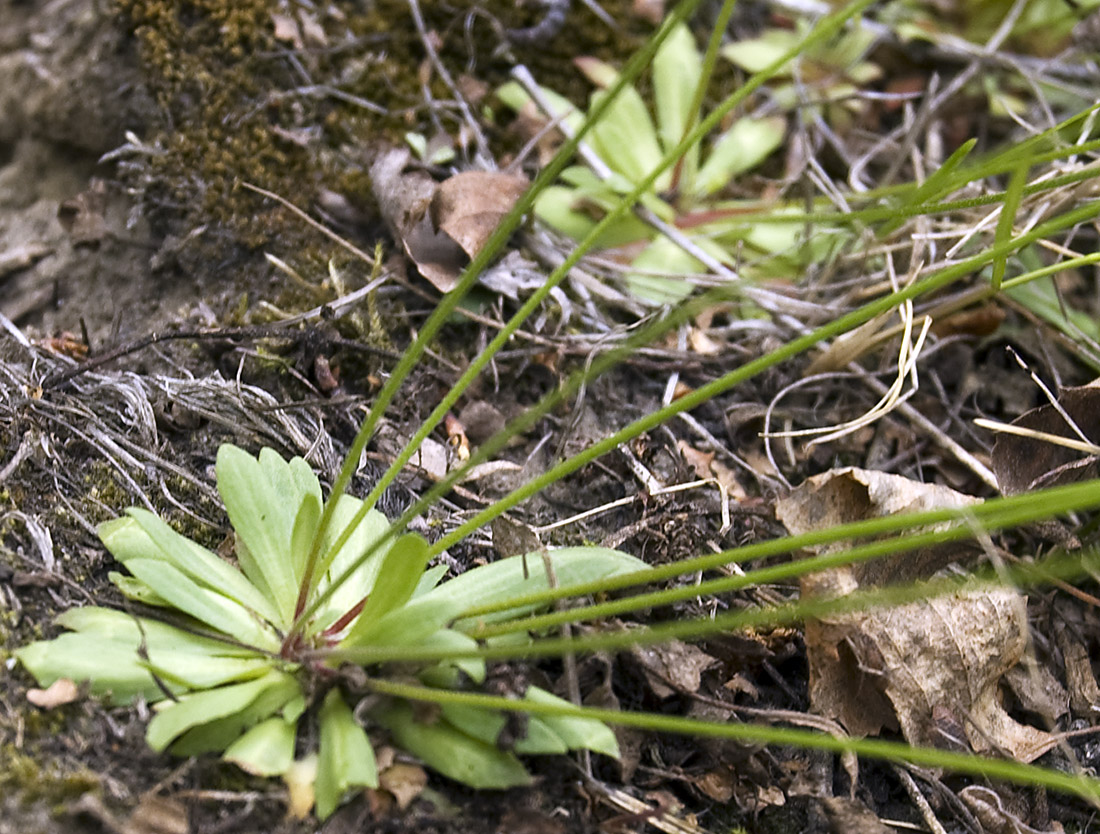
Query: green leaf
{"type": "Point", "coordinates": [199, 670]}
{"type": "Point", "coordinates": [190, 711]}
{"type": "Point", "coordinates": [204, 604]}
{"type": "Point", "coordinates": [142, 535]}
{"type": "Point", "coordinates": [756, 54]}
{"type": "Point", "coordinates": [677, 71]}
{"type": "Point", "coordinates": [741, 148]}
{"type": "Point", "coordinates": [515, 97]}
{"type": "Point", "coordinates": [346, 758]}
{"type": "Point", "coordinates": [624, 137]}
{"type": "Point", "coordinates": [262, 502]}
{"type": "Point", "coordinates": [575, 733]}
{"type": "Point", "coordinates": [120, 626]}
{"type": "Point", "coordinates": [487, 725]}
{"type": "Point", "coordinates": [136, 590]}
{"type": "Point", "coordinates": [498, 582]}
{"type": "Point", "coordinates": [647, 279]}
{"type": "Point", "coordinates": [397, 579]}
{"type": "Point", "coordinates": [302, 534]}
{"type": "Point", "coordinates": [332, 564]}
{"type": "Point", "coordinates": [429, 579]}
{"type": "Point", "coordinates": [112, 670]}
{"type": "Point", "coordinates": [446, 674]}
{"type": "Point", "coordinates": [215, 736]}
{"type": "Point", "coordinates": [451, 752]}
{"type": "Point", "coordinates": [558, 207]}
{"type": "Point", "coordinates": [265, 750]}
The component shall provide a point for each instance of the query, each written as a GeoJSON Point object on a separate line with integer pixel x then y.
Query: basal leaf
{"type": "Point", "coordinates": [120, 626]}
{"type": "Point", "coordinates": [655, 275]}
{"type": "Point", "coordinates": [345, 756]}
{"type": "Point", "coordinates": [400, 572]}
{"type": "Point", "coordinates": [741, 148]}
{"type": "Point", "coordinates": [262, 523]}
{"type": "Point", "coordinates": [265, 750]}
{"type": "Point", "coordinates": [755, 54]}
{"type": "Point", "coordinates": [446, 674]}
{"type": "Point", "coordinates": [198, 670]}
{"type": "Point", "coordinates": [534, 736]}
{"type": "Point", "coordinates": [207, 606]}
{"type": "Point", "coordinates": [136, 590]}
{"type": "Point", "coordinates": [292, 479]}
{"type": "Point", "coordinates": [558, 207]}
{"type": "Point", "coordinates": [208, 706]}
{"type": "Point", "coordinates": [429, 579]}
{"type": "Point", "coordinates": [333, 564]}
{"type": "Point", "coordinates": [515, 97]}
{"type": "Point", "coordinates": [451, 752]}
{"type": "Point", "coordinates": [302, 533]}
{"type": "Point", "coordinates": [625, 137]}
{"type": "Point", "coordinates": [677, 71]}
{"type": "Point", "coordinates": [575, 733]}
{"type": "Point", "coordinates": [111, 669]}
{"type": "Point", "coordinates": [499, 582]}
{"type": "Point", "coordinates": [143, 535]}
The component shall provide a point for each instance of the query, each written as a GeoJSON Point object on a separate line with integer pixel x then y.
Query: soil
{"type": "Point", "coordinates": [127, 130]}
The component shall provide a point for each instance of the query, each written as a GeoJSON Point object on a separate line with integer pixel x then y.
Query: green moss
{"type": "Point", "coordinates": [24, 777]}
{"type": "Point", "coordinates": [103, 486]}
{"type": "Point", "coordinates": [230, 97]}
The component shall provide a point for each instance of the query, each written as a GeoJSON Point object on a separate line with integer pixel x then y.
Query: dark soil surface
{"type": "Point", "coordinates": [126, 130]}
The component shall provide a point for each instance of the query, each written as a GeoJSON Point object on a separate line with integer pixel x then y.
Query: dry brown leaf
{"type": "Point", "coordinates": [850, 816]}
{"type": "Point", "coordinates": [403, 199]}
{"type": "Point", "coordinates": [431, 458]}
{"type": "Point", "coordinates": [705, 465]}
{"type": "Point", "coordinates": [405, 781]}
{"type": "Point", "coordinates": [947, 652]}
{"type": "Point", "coordinates": [62, 691]}
{"type": "Point", "coordinates": [698, 461]}
{"type": "Point", "coordinates": [1022, 464]}
{"type": "Point", "coordinates": [158, 815]}
{"type": "Point", "coordinates": [1084, 692]}
{"type": "Point", "coordinates": [473, 89]}
{"type": "Point", "coordinates": [851, 494]}
{"type": "Point", "coordinates": [1037, 690]}
{"type": "Point", "coordinates": [980, 321]}
{"type": "Point", "coordinates": [482, 420]}
{"type": "Point", "coordinates": [511, 538]}
{"type": "Point", "coordinates": [910, 666]}
{"type": "Point", "coordinates": [469, 206]}
{"type": "Point", "coordinates": [995, 812]}
{"type": "Point", "coordinates": [679, 664]}
{"type": "Point", "coordinates": [718, 784]}
{"type": "Point", "coordinates": [441, 225]}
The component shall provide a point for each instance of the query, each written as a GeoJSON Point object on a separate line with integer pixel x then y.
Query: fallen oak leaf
{"type": "Point", "coordinates": [910, 665]}
{"type": "Point", "coordinates": [469, 206]}
{"type": "Point", "coordinates": [1026, 463]}
{"type": "Point", "coordinates": [441, 225]}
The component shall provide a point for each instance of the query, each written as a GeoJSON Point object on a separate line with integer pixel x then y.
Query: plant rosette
{"type": "Point", "coordinates": [631, 141]}
{"type": "Point", "coordinates": [824, 81]}
{"type": "Point", "coordinates": [234, 658]}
